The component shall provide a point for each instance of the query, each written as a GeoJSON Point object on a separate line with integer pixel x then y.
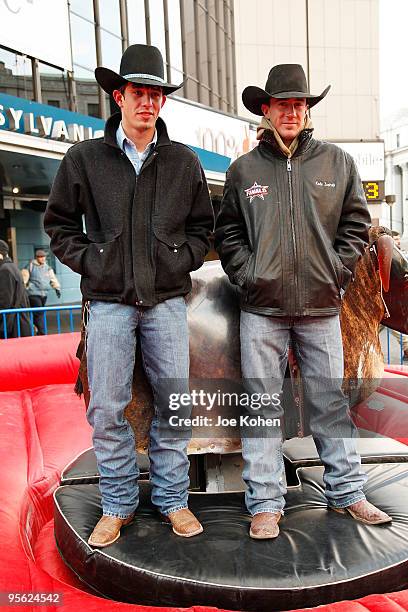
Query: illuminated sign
{"type": "Point", "coordinates": [38, 28]}
{"type": "Point", "coordinates": [369, 157]}
{"type": "Point", "coordinates": [374, 191]}
{"type": "Point", "coordinates": [23, 116]}
{"type": "Point", "coordinates": [208, 129]}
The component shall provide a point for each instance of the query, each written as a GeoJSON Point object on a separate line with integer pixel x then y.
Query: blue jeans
{"type": "Point", "coordinates": [111, 346]}
{"type": "Point", "coordinates": [319, 350]}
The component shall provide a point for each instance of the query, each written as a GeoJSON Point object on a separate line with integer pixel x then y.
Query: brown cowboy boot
{"type": "Point", "coordinates": [264, 525]}
{"type": "Point", "coordinates": [184, 523]}
{"type": "Point", "coordinates": [107, 530]}
{"type": "Point", "coordinates": [365, 512]}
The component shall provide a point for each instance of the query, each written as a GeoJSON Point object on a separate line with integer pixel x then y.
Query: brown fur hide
{"type": "Point", "coordinates": [215, 356]}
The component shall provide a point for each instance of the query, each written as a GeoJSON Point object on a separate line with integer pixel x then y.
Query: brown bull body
{"type": "Point", "coordinates": [213, 316]}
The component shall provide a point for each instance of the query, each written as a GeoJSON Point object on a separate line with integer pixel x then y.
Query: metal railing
{"type": "Point", "coordinates": [389, 354]}
{"type": "Point", "coordinates": [58, 325]}
{"type": "Point", "coordinates": [392, 354]}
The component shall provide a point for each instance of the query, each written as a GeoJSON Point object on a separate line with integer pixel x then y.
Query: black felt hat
{"type": "Point", "coordinates": [284, 81]}
{"type": "Point", "coordinates": [141, 64]}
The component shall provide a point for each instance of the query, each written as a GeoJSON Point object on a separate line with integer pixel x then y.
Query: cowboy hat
{"type": "Point", "coordinates": [284, 81]}
{"type": "Point", "coordinates": [141, 64]}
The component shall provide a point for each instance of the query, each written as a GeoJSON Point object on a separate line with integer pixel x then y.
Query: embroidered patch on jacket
{"type": "Point", "coordinates": [325, 184]}
{"type": "Point", "coordinates": [256, 191]}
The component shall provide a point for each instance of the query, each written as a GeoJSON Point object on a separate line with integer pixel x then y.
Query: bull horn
{"type": "Point", "coordinates": [385, 245]}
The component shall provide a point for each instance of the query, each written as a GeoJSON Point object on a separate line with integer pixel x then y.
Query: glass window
{"type": "Point", "coordinates": [111, 50]}
{"type": "Point", "coordinates": [176, 57]}
{"type": "Point", "coordinates": [83, 8]}
{"type": "Point", "coordinates": [202, 33]}
{"type": "Point", "coordinates": [93, 109]}
{"type": "Point", "coordinates": [212, 52]}
{"type": "Point", "coordinates": [86, 92]}
{"type": "Point", "coordinates": [157, 27]}
{"type": "Point", "coordinates": [15, 75]}
{"type": "Point", "coordinates": [191, 90]}
{"type": "Point", "coordinates": [54, 86]}
{"type": "Point", "coordinates": [109, 15]}
{"type": "Point", "coordinates": [83, 44]}
{"type": "Point", "coordinates": [136, 22]}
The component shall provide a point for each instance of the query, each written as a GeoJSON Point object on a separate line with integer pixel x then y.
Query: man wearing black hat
{"type": "Point", "coordinates": [292, 225]}
{"type": "Point", "coordinates": [12, 295]}
{"type": "Point", "coordinates": [148, 217]}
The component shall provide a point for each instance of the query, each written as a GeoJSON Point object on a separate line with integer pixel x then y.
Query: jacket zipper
{"type": "Point", "coordinates": [146, 163]}
{"type": "Point", "coordinates": [292, 221]}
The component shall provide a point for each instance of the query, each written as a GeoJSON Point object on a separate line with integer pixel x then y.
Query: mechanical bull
{"type": "Point", "coordinates": [378, 294]}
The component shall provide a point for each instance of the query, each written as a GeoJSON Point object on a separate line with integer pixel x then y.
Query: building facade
{"type": "Point", "coordinates": [337, 42]}
{"type": "Point", "coordinates": [395, 135]}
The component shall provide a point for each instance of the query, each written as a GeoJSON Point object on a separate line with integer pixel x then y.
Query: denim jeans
{"type": "Point", "coordinates": [111, 346]}
{"type": "Point", "coordinates": [318, 347]}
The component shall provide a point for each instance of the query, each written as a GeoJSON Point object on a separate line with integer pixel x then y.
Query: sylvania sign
{"type": "Point", "coordinates": [25, 117]}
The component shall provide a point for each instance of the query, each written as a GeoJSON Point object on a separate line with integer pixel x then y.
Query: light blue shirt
{"type": "Point", "coordinates": [130, 150]}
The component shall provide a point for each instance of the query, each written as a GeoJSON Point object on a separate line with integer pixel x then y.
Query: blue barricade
{"type": "Point", "coordinates": [58, 325]}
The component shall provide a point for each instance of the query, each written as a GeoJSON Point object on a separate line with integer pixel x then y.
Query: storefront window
{"type": "Point", "coordinates": [176, 57]}
{"type": "Point", "coordinates": [83, 8]}
{"type": "Point", "coordinates": [83, 46]}
{"type": "Point", "coordinates": [111, 50]}
{"type": "Point", "coordinates": [191, 89]}
{"type": "Point", "coordinates": [109, 15]}
{"type": "Point", "coordinates": [54, 86]}
{"type": "Point", "coordinates": [157, 26]}
{"type": "Point", "coordinates": [15, 75]}
{"type": "Point", "coordinates": [136, 22]}
{"type": "Point", "coordinates": [87, 93]}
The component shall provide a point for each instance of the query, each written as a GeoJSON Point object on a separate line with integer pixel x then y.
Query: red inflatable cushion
{"type": "Point", "coordinates": [38, 360]}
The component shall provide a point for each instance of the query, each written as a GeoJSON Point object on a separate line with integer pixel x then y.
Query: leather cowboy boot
{"type": "Point", "coordinates": [107, 530]}
{"type": "Point", "coordinates": [264, 525]}
{"type": "Point", "coordinates": [365, 512]}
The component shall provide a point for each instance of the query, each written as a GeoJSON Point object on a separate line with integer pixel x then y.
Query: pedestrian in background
{"type": "Point", "coordinates": [38, 277]}
{"type": "Point", "coordinates": [12, 295]}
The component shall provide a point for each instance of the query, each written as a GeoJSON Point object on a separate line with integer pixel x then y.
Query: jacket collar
{"type": "Point", "coordinates": [112, 125]}
{"type": "Point", "coordinates": [269, 143]}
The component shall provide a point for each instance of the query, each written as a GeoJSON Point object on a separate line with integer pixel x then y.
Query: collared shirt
{"type": "Point", "coordinates": [130, 150]}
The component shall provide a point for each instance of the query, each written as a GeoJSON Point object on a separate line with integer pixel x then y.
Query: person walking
{"type": "Point", "coordinates": [38, 277]}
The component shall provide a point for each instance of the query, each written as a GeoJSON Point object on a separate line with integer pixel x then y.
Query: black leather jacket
{"type": "Point", "coordinates": [144, 233]}
{"type": "Point", "coordinates": [290, 231]}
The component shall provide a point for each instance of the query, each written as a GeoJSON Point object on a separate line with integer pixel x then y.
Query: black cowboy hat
{"type": "Point", "coordinates": [284, 81]}
{"type": "Point", "coordinates": [141, 64]}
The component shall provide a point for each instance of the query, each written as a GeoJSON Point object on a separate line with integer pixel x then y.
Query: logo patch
{"type": "Point", "coordinates": [325, 184]}
{"type": "Point", "coordinates": [256, 191]}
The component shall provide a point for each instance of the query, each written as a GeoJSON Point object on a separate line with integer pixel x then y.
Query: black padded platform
{"type": "Point", "coordinates": [83, 469]}
{"type": "Point", "coordinates": [319, 557]}
{"type": "Point", "coordinates": [301, 452]}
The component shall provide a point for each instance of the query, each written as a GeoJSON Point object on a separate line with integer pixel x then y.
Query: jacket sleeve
{"type": "Point", "coordinates": [63, 216]}
{"type": "Point", "coordinates": [352, 231]}
{"type": "Point", "coordinates": [231, 236]}
{"type": "Point", "coordinates": [7, 291]}
{"type": "Point", "coordinates": [200, 221]}
{"type": "Point", "coordinates": [25, 273]}
{"type": "Point", "coordinates": [54, 282]}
